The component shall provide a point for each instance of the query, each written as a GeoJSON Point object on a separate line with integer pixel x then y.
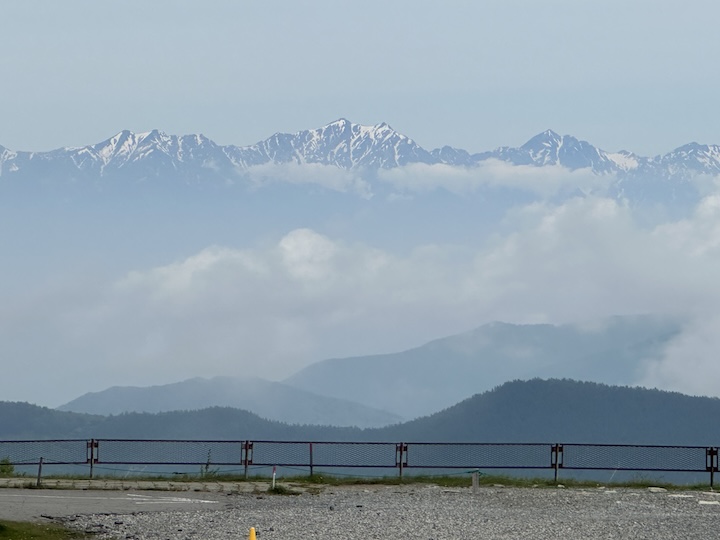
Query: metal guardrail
{"type": "Point", "coordinates": [362, 455]}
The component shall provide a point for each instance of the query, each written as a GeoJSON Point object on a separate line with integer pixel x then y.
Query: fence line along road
{"type": "Point", "coordinates": [379, 456]}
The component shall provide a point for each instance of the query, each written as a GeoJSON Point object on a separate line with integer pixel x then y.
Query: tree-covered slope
{"type": "Point", "coordinates": [566, 411]}
{"type": "Point", "coordinates": [555, 410]}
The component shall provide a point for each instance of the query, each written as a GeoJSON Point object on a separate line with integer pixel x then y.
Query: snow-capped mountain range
{"type": "Point", "coordinates": [341, 144]}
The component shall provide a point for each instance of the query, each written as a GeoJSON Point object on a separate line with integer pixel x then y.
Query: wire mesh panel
{"type": "Point", "coordinates": [634, 458]}
{"type": "Point", "coordinates": [324, 454]}
{"type": "Point", "coordinates": [471, 455]}
{"type": "Point", "coordinates": [376, 455]}
{"type": "Point", "coordinates": [65, 452]}
{"type": "Point", "coordinates": [295, 454]}
{"type": "Point", "coordinates": [137, 452]}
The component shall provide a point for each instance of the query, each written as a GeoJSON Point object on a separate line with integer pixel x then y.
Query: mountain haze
{"type": "Point", "coordinates": [538, 411]}
{"type": "Point", "coordinates": [270, 400]}
{"type": "Point", "coordinates": [350, 240]}
{"type": "Point", "coordinates": [423, 380]}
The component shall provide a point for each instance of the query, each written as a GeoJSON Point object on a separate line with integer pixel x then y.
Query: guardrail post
{"type": "Point", "coordinates": [556, 458]}
{"type": "Point", "coordinates": [711, 463]}
{"type": "Point", "coordinates": [311, 459]}
{"type": "Point", "coordinates": [92, 454]}
{"type": "Point", "coordinates": [247, 457]}
{"type": "Point", "coordinates": [401, 457]}
{"type": "Point", "coordinates": [39, 472]}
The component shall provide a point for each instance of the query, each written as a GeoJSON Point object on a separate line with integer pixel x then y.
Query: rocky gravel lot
{"type": "Point", "coordinates": [428, 512]}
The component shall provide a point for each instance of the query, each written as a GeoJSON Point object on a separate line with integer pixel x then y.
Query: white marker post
{"type": "Point", "coordinates": [273, 478]}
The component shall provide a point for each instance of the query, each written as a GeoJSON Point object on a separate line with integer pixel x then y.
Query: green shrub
{"type": "Point", "coordinates": [6, 468]}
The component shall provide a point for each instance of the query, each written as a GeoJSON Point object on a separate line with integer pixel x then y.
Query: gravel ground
{"type": "Point", "coordinates": [429, 512]}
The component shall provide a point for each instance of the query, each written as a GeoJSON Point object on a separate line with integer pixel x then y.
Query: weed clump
{"type": "Point", "coordinates": [7, 469]}
{"type": "Point", "coordinates": [282, 490]}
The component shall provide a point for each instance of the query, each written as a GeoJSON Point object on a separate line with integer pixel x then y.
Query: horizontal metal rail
{"type": "Point", "coordinates": [362, 455]}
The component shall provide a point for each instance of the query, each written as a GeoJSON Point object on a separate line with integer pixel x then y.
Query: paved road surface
{"type": "Point", "coordinates": [45, 504]}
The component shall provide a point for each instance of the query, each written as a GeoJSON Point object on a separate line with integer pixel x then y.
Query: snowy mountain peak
{"type": "Point", "coordinates": [350, 129]}
{"type": "Point", "coordinates": [547, 135]}
{"type": "Point", "coordinates": [343, 144]}
{"type": "Point", "coordinates": [692, 158]}
{"type": "Point", "coordinates": [342, 123]}
{"type": "Point", "coordinates": [340, 143]}
{"type": "Point", "coordinates": [544, 148]}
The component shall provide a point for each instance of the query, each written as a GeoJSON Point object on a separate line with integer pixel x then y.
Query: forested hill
{"type": "Point", "coordinates": [567, 411]}
{"type": "Point", "coordinates": [562, 411]}
{"type": "Point", "coordinates": [22, 421]}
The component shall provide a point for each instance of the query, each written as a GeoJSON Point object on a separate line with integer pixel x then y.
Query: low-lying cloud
{"type": "Point", "coordinates": [325, 176]}
{"type": "Point", "coordinates": [545, 181]}
{"type": "Point", "coordinates": [273, 308]}
{"type": "Point", "coordinates": [416, 178]}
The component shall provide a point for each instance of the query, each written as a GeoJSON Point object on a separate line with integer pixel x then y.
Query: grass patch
{"type": "Point", "coordinates": [14, 530]}
{"type": "Point", "coordinates": [465, 480]}
{"type": "Point", "coordinates": [282, 490]}
{"type": "Point", "coordinates": [460, 480]}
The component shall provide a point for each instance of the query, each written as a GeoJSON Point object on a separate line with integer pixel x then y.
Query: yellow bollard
{"type": "Point", "coordinates": [252, 533]}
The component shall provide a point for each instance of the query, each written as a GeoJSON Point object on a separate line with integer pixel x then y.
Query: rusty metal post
{"type": "Point", "coordinates": [247, 458]}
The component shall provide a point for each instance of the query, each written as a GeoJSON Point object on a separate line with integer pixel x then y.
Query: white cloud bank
{"type": "Point", "coordinates": [492, 173]}
{"type": "Point", "coordinates": [417, 178]}
{"type": "Point", "coordinates": [325, 176]}
{"type": "Point", "coordinates": [270, 310]}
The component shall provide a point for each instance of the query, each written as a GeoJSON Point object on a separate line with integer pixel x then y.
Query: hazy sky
{"type": "Point", "coordinates": [636, 75]}
{"type": "Point", "coordinates": [138, 292]}
{"type": "Point", "coordinates": [101, 295]}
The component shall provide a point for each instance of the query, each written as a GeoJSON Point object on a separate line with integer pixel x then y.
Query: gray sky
{"type": "Point", "coordinates": [635, 75]}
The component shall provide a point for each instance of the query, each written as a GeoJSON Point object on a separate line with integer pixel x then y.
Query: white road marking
{"type": "Point", "coordinates": [180, 501]}
{"type": "Point", "coordinates": [149, 499]}
{"type": "Point", "coordinates": [709, 502]}
{"type": "Point", "coordinates": [138, 499]}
